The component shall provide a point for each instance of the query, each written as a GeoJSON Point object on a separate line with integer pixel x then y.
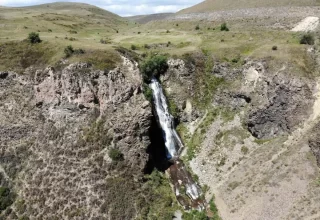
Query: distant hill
{"type": "Point", "coordinates": [59, 8]}
{"type": "Point", "coordinates": [220, 5]}
{"type": "Point", "coordinates": [143, 19]}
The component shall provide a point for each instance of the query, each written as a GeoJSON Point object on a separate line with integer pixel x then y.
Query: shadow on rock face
{"type": "Point", "coordinates": [156, 150]}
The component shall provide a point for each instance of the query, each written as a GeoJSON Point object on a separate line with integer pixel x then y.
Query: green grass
{"type": "Point", "coordinates": [198, 137]}
{"type": "Point", "coordinates": [19, 55]}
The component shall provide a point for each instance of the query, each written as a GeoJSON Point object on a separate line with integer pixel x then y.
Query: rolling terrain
{"type": "Point", "coordinates": [79, 137]}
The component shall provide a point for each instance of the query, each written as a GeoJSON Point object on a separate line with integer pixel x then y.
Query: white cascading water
{"type": "Point", "coordinates": [172, 140]}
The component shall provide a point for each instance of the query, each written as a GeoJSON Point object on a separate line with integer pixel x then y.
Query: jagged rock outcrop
{"type": "Point", "coordinates": [57, 128]}
{"type": "Point", "coordinates": [281, 105]}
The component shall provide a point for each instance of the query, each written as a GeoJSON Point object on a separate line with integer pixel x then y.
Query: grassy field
{"type": "Point", "coordinates": [95, 30]}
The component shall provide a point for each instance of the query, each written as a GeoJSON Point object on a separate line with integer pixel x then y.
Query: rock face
{"type": "Point", "coordinates": [287, 103]}
{"type": "Point", "coordinates": [57, 129]}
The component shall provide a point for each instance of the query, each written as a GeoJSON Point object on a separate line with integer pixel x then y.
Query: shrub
{"type": "Point", "coordinates": [6, 198]}
{"type": "Point", "coordinates": [115, 154]}
{"type": "Point", "coordinates": [147, 46]}
{"type": "Point", "coordinates": [177, 25]}
{"type": "Point", "coordinates": [147, 91]}
{"type": "Point", "coordinates": [68, 51]}
{"type": "Point", "coordinates": [274, 48]}
{"type": "Point", "coordinates": [139, 32]}
{"type": "Point", "coordinates": [34, 38]}
{"type": "Point", "coordinates": [224, 27]}
{"type": "Point", "coordinates": [168, 31]}
{"type": "Point", "coordinates": [154, 67]}
{"type": "Point", "coordinates": [307, 39]}
{"type": "Point", "coordinates": [244, 150]}
{"type": "Point", "coordinates": [73, 32]}
{"type": "Point", "coordinates": [79, 51]}
{"type": "Point", "coordinates": [133, 47]}
{"type": "Point", "coordinates": [72, 39]}
{"type": "Point", "coordinates": [197, 27]}
{"type": "Point", "coordinates": [49, 30]}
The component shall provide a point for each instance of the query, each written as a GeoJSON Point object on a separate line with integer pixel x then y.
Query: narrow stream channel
{"type": "Point", "coordinates": [187, 191]}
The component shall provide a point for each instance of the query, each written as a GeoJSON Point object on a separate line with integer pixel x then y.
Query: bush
{"type": "Point", "coordinates": [274, 48]}
{"type": "Point", "coordinates": [79, 51]}
{"type": "Point", "coordinates": [6, 198]}
{"type": "Point", "coordinates": [34, 38]}
{"type": "Point", "coordinates": [154, 67]}
{"type": "Point", "coordinates": [68, 51]}
{"type": "Point", "coordinates": [168, 31]}
{"type": "Point", "coordinates": [147, 91]}
{"type": "Point", "coordinates": [147, 46]}
{"type": "Point", "coordinates": [307, 39]}
{"type": "Point", "coordinates": [49, 30]}
{"type": "Point", "coordinates": [115, 154]}
{"type": "Point", "coordinates": [197, 27]}
{"type": "Point", "coordinates": [133, 47]}
{"type": "Point", "coordinates": [224, 27]}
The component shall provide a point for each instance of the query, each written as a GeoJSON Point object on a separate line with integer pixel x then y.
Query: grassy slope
{"type": "Point", "coordinates": [56, 23]}
{"type": "Point", "coordinates": [219, 5]}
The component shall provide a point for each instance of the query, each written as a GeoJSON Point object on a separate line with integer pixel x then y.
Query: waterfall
{"type": "Point", "coordinates": [172, 140]}
{"type": "Point", "coordinates": [180, 177]}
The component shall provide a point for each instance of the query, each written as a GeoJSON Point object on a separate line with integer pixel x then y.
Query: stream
{"type": "Point", "coordinates": [187, 191]}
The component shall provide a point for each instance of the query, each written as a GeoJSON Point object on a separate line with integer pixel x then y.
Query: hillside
{"type": "Point", "coordinates": [142, 19]}
{"type": "Point", "coordinates": [222, 5]}
{"type": "Point", "coordinates": [58, 20]}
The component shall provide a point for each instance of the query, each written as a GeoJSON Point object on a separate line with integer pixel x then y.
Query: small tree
{"type": "Point", "coordinates": [34, 38]}
{"type": "Point", "coordinates": [154, 67]}
{"type": "Point", "coordinates": [224, 27]}
{"type": "Point", "coordinates": [307, 39]}
{"type": "Point", "coordinates": [68, 51]}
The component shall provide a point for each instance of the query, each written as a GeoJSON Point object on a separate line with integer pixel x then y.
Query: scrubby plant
{"type": "Point", "coordinates": [168, 31]}
{"type": "Point", "coordinates": [197, 27]}
{"type": "Point", "coordinates": [68, 51]}
{"type": "Point", "coordinates": [274, 48]}
{"type": "Point", "coordinates": [153, 67]}
{"type": "Point", "coordinates": [49, 30]}
{"type": "Point", "coordinates": [34, 38]}
{"type": "Point", "coordinates": [115, 154]}
{"type": "Point", "coordinates": [307, 39]}
{"type": "Point", "coordinates": [224, 27]}
{"type": "Point", "coordinates": [147, 46]}
{"type": "Point", "coordinates": [6, 198]}
{"type": "Point", "coordinates": [147, 91]}
{"type": "Point", "coordinates": [133, 47]}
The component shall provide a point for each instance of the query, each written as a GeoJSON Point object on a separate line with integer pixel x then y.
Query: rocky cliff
{"type": "Point", "coordinates": [251, 134]}
{"type": "Point", "coordinates": [59, 128]}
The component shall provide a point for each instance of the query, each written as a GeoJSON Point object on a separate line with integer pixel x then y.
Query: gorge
{"type": "Point", "coordinates": [180, 177]}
